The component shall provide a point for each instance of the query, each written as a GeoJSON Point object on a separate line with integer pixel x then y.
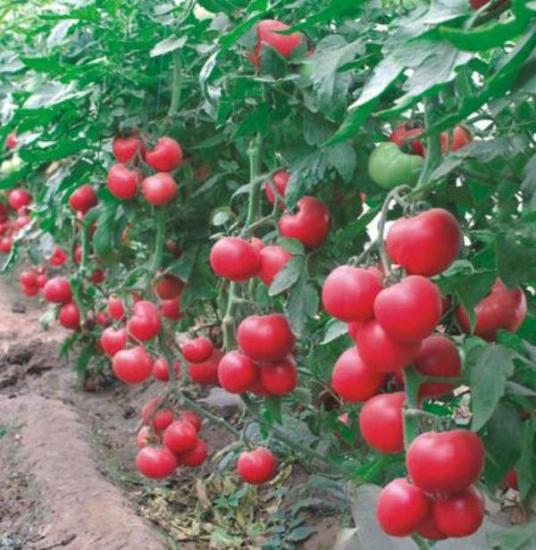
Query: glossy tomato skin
{"type": "Point", "coordinates": [235, 259]}
{"type": "Point", "coordinates": [280, 377]}
{"type": "Point", "coordinates": [257, 466]}
{"type": "Point", "coordinates": [125, 149]}
{"type": "Point", "coordinates": [145, 323]}
{"type": "Point", "coordinates": [428, 529]}
{"type": "Point", "coordinates": [206, 372]}
{"type": "Point", "coordinates": [180, 436]}
{"type": "Point", "coordinates": [268, 35]}
{"type": "Point", "coordinates": [381, 422]}
{"type": "Point", "coordinates": [113, 340]}
{"type": "Point", "coordinates": [28, 278]}
{"type": "Point", "coordinates": [59, 257]}
{"type": "Point", "coordinates": [69, 316]}
{"type": "Point", "coordinates": [445, 462]}
{"type": "Point", "coordinates": [401, 508]}
{"type": "Point", "coordinates": [58, 290]}
{"type": "Point", "coordinates": [169, 287]}
{"type": "Point", "coordinates": [171, 309]}
{"type": "Point", "coordinates": [353, 380]}
{"type": "Point", "coordinates": [439, 356]}
{"type": "Point", "coordinates": [425, 244]}
{"type": "Point", "coordinates": [404, 132]}
{"type": "Point", "coordinates": [279, 181]}
{"type": "Point", "coordinates": [349, 293]}
{"type": "Point", "coordinates": [194, 457]}
{"type": "Point", "coordinates": [18, 198]}
{"type": "Point", "coordinates": [116, 308]}
{"type": "Point", "coordinates": [460, 138]}
{"type": "Point", "coordinates": [30, 290]}
{"type": "Point", "coordinates": [159, 189]}
{"type": "Point", "coordinates": [410, 310]}
{"type": "Point", "coordinates": [133, 365]}
{"type": "Point", "coordinates": [380, 352]}
{"type": "Point", "coordinates": [161, 370]}
{"type": "Point", "coordinates": [273, 259]}
{"type": "Point", "coordinates": [83, 198]}
{"type": "Point", "coordinates": [310, 225]}
{"type": "Point", "coordinates": [197, 350]}
{"type": "Point", "coordinates": [156, 463]}
{"type": "Point", "coordinates": [460, 514]}
{"type": "Point", "coordinates": [165, 156]}
{"type": "Point", "coordinates": [161, 420]}
{"type": "Point", "coordinates": [122, 182]}
{"type": "Point", "coordinates": [97, 276]}
{"type": "Point", "coordinates": [265, 337]}
{"type": "Point", "coordinates": [190, 416]}
{"type": "Point", "coordinates": [237, 373]}
{"type": "Point", "coordinates": [500, 309]}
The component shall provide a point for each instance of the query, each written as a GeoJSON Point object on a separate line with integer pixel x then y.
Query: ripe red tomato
{"type": "Point", "coordinates": [162, 419]}
{"type": "Point", "coordinates": [97, 276]}
{"type": "Point", "coordinates": [58, 290]}
{"type": "Point", "coordinates": [30, 290]}
{"type": "Point", "coordinates": [11, 140]}
{"type": "Point", "coordinates": [83, 198]}
{"type": "Point", "coordinates": [265, 337]}
{"type": "Point", "coordinates": [113, 340]}
{"type": "Point", "coordinates": [445, 462]}
{"type": "Point", "coordinates": [401, 508]}
{"type": "Point", "coordinates": [237, 373]}
{"type": "Point", "coordinates": [196, 456]}
{"type": "Point", "coordinates": [405, 131]}
{"type": "Point", "coordinates": [59, 256]}
{"type": "Point", "coordinates": [349, 292]}
{"type": "Point", "coordinates": [381, 423]}
{"type": "Point", "coordinates": [126, 148]}
{"type": "Point", "coordinates": [500, 309]}
{"type": "Point", "coordinates": [428, 529]}
{"type": "Point", "coordinates": [197, 350]}
{"type": "Point", "coordinates": [156, 463]}
{"type": "Point", "coordinates": [145, 323]}
{"type": "Point", "coordinates": [310, 225]}
{"type": "Point", "coordinates": [165, 156]}
{"type": "Point", "coordinates": [461, 514]}
{"type": "Point", "coordinates": [381, 352]}
{"type": "Point", "coordinates": [159, 189]}
{"type": "Point", "coordinates": [143, 437]}
{"type": "Point", "coordinates": [235, 259]}
{"type": "Point", "coordinates": [18, 198]}
{"type": "Point", "coordinates": [5, 245]}
{"type": "Point", "coordinates": [280, 377]}
{"type": "Point", "coordinates": [21, 221]}
{"type": "Point", "coordinates": [102, 318]}
{"type": "Point", "coordinates": [268, 35]}
{"type": "Point", "coordinates": [122, 182]}
{"type": "Point", "coordinates": [273, 259]}
{"type": "Point", "coordinates": [460, 138]}
{"type": "Point", "coordinates": [161, 371]}
{"type": "Point", "coordinates": [133, 365]}
{"type": "Point", "coordinates": [512, 480]}
{"type": "Point", "coordinates": [191, 417]}
{"type": "Point", "coordinates": [171, 309]}
{"type": "Point", "coordinates": [410, 310]}
{"type": "Point", "coordinates": [425, 244]}
{"type": "Point", "coordinates": [149, 409]}
{"type": "Point", "coordinates": [169, 287]}
{"type": "Point", "coordinates": [69, 316]}
{"type": "Point", "coordinates": [257, 466]}
{"type": "Point", "coordinates": [116, 308]}
{"type": "Point", "coordinates": [279, 181]}
{"type": "Point", "coordinates": [206, 372]}
{"type": "Point", "coordinates": [28, 278]}
{"type": "Point", "coordinates": [180, 436]}
{"type": "Point", "coordinates": [77, 253]}
{"type": "Point", "coordinates": [353, 380]}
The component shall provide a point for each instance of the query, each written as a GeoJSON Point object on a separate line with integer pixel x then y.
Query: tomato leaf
{"type": "Point", "coordinates": [334, 329]}
{"type": "Point", "coordinates": [288, 276]}
{"type": "Point", "coordinates": [302, 304]}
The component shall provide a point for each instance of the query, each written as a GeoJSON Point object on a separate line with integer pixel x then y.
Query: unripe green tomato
{"type": "Point", "coordinates": [389, 167]}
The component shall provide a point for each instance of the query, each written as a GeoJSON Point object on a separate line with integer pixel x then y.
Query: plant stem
{"type": "Point", "coordinates": [433, 143]}
{"type": "Point", "coordinates": [411, 420]}
{"type": "Point", "coordinates": [85, 247]}
{"type": "Point", "coordinates": [160, 223]}
{"type": "Point", "coordinates": [227, 324]}
{"type": "Point", "coordinates": [420, 542]}
{"type": "Point", "coordinates": [176, 84]}
{"type": "Point", "coordinates": [254, 153]}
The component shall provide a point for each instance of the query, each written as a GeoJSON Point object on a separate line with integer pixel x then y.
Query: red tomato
{"type": "Point", "coordinates": [235, 259]}
{"type": "Point", "coordinates": [500, 309]}
{"type": "Point", "coordinates": [180, 436]}
{"type": "Point", "coordinates": [279, 181]}
{"type": "Point", "coordinates": [401, 508]}
{"type": "Point", "coordinates": [42, 280]}
{"type": "Point", "coordinates": [83, 198]}
{"type": "Point", "coordinates": [353, 380]}
{"type": "Point", "coordinates": [191, 417]}
{"type": "Point", "coordinates": [381, 423]}
{"type": "Point", "coordinates": [116, 308]}
{"type": "Point", "coordinates": [445, 462]}
{"type": "Point", "coordinates": [171, 309]}
{"type": "Point", "coordinates": [159, 189]}
{"type": "Point", "coordinates": [5, 245]}
{"type": "Point", "coordinates": [196, 456]}
{"type": "Point", "coordinates": [257, 466]}
{"type": "Point", "coordinates": [410, 310]}
{"type": "Point", "coordinates": [21, 221]}
{"type": "Point", "coordinates": [132, 365]}
{"type": "Point", "coordinates": [461, 514]}
{"type": "Point", "coordinates": [403, 132]}
{"type": "Point", "coordinates": [310, 225]}
{"type": "Point", "coordinates": [381, 352]}
{"type": "Point", "coordinates": [512, 480]}
{"type": "Point", "coordinates": [102, 318]}
{"type": "Point", "coordinates": [425, 244]}
{"type": "Point", "coordinates": [18, 198]}
{"type": "Point", "coordinates": [265, 337]}
{"type": "Point", "coordinates": [237, 373]}
{"type": "Point", "coordinates": [58, 290]}
{"type": "Point", "coordinates": [161, 370]}
{"type": "Point", "coordinates": [148, 410]}
{"type": "Point", "coordinates": [97, 276]}
{"type": "Point", "coordinates": [279, 378]}
{"type": "Point", "coordinates": [113, 340]}
{"type": "Point", "coordinates": [143, 437]}
{"type": "Point", "coordinates": [197, 350]}
{"type": "Point", "coordinates": [59, 257]}
{"type": "Point", "coordinates": [126, 148]}
{"type": "Point", "coordinates": [69, 316]}
{"type": "Point", "coordinates": [428, 529]}
{"type": "Point", "coordinates": [460, 138]}
{"type": "Point", "coordinates": [162, 419]}
{"type": "Point", "coordinates": [257, 244]}
{"type": "Point", "coordinates": [11, 140]}
{"type": "Point", "coordinates": [268, 35]}
{"type": "Point", "coordinates": [28, 278]}
{"type": "Point", "coordinates": [273, 259]}
{"type": "Point", "coordinates": [30, 290]}
{"type": "Point", "coordinates": [122, 182]}
{"type": "Point", "coordinates": [156, 463]}
{"type": "Point", "coordinates": [206, 372]}
{"type": "Point", "coordinates": [145, 323]}
{"type": "Point", "coordinates": [173, 248]}
{"type": "Point", "coordinates": [77, 254]}
{"type": "Point", "coordinates": [349, 292]}
{"type": "Point", "coordinates": [169, 287]}
{"type": "Point", "coordinates": [165, 156]}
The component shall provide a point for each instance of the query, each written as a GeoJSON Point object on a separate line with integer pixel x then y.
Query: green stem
{"type": "Point", "coordinates": [176, 84]}
{"type": "Point", "coordinates": [168, 355]}
{"type": "Point", "coordinates": [411, 420]}
{"type": "Point", "coordinates": [227, 325]}
{"type": "Point", "coordinates": [433, 143]}
{"type": "Point", "coordinates": [85, 247]}
{"type": "Point", "coordinates": [254, 153]}
{"type": "Point", "coordinates": [160, 223]}
{"type": "Point", "coordinates": [420, 542]}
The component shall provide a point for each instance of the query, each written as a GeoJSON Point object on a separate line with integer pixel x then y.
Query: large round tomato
{"type": "Point", "coordinates": [265, 337]}
{"type": "Point", "coordinates": [401, 508]}
{"type": "Point", "coordinates": [389, 167]}
{"type": "Point", "coordinates": [126, 148]}
{"type": "Point", "coordinates": [169, 287]}
{"type": "Point", "coordinates": [461, 514]}
{"type": "Point", "coordinates": [197, 350]}
{"type": "Point", "coordinates": [122, 182]}
{"type": "Point", "coordinates": [113, 340]}
{"type": "Point", "coordinates": [83, 198]}
{"type": "Point", "coordinates": [171, 309]}
{"type": "Point", "coordinates": [165, 156]}
{"type": "Point", "coordinates": [159, 189]}
{"type": "Point", "coordinates": [425, 244]}
{"type": "Point", "coordinates": [116, 308]}
{"type": "Point", "coordinates": [353, 380]}
{"type": "Point", "coordinates": [257, 466]}
{"type": "Point", "coordinates": [273, 259]}
{"type": "Point", "coordinates": [58, 257]}
{"type": "Point", "coordinates": [410, 310]}
{"type": "Point", "coordinates": [349, 292]}
{"type": "Point", "coordinates": [310, 224]}
{"type": "Point", "coordinates": [132, 365]}
{"type": "Point", "coordinates": [237, 373]}
{"type": "Point", "coordinates": [180, 436]}
{"type": "Point", "coordinates": [381, 422]}
{"type": "Point", "coordinates": [280, 377]}
{"type": "Point", "coordinates": [460, 138]}
{"type": "Point", "coordinates": [58, 290]}
{"type": "Point", "coordinates": [279, 181]}
{"type": "Point", "coordinates": [235, 259]}
{"type": "Point", "coordinates": [206, 372]}
{"type": "Point", "coordinates": [145, 323]}
{"type": "Point", "coordinates": [194, 457]}
{"type": "Point", "coordinates": [445, 462]}
{"type": "Point", "coordinates": [161, 369]}
{"type": "Point", "coordinates": [69, 316]}
{"type": "Point", "coordinates": [156, 463]}
{"type": "Point", "coordinates": [268, 35]}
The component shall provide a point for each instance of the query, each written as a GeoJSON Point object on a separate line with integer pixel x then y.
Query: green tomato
{"type": "Point", "coordinates": [389, 167]}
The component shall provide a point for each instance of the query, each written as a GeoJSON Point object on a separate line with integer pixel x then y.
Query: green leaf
{"type": "Point", "coordinates": [520, 537]}
{"type": "Point", "coordinates": [288, 276]}
{"type": "Point", "coordinates": [334, 329]}
{"type": "Point", "coordinates": [183, 266]}
{"type": "Point", "coordinates": [292, 245]}
{"type": "Point", "coordinates": [302, 304]}
{"type": "Point", "coordinates": [515, 251]}
{"type": "Point", "coordinates": [343, 158]}
{"type": "Point", "coordinates": [526, 464]}
{"type": "Point", "coordinates": [300, 534]}
{"type": "Point", "coordinates": [51, 94]}
{"type": "Point", "coordinates": [168, 45]}
{"type": "Point", "coordinates": [103, 237]}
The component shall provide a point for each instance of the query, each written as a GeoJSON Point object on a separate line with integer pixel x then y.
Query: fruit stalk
{"type": "Point", "coordinates": [160, 224]}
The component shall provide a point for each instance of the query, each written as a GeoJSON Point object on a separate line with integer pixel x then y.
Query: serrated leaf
{"type": "Point", "coordinates": [287, 276]}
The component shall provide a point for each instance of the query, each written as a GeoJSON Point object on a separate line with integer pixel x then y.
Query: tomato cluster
{"type": "Point", "coordinates": [14, 216]}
